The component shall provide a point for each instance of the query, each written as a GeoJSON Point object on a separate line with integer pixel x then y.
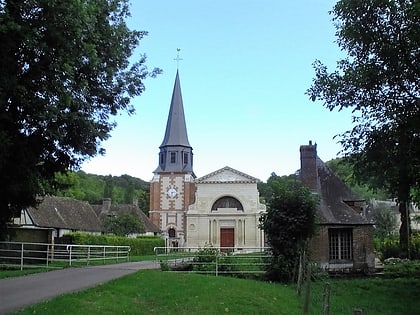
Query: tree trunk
{"type": "Point", "coordinates": [404, 229]}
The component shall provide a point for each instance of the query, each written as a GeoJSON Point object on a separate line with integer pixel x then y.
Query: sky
{"type": "Point", "coordinates": [244, 71]}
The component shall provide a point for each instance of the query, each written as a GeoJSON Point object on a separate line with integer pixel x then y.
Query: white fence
{"type": "Point", "coordinates": [33, 255]}
{"type": "Point", "coordinates": [214, 260]}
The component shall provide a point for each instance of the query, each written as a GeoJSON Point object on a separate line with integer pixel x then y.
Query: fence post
{"type": "Point", "coordinates": [357, 311]}
{"type": "Point", "coordinates": [69, 250]}
{"type": "Point", "coordinates": [217, 258]}
{"type": "Point", "coordinates": [326, 300]}
{"type": "Point", "coordinates": [118, 252]}
{"type": "Point", "coordinates": [104, 254]}
{"type": "Point", "coordinates": [308, 291]}
{"type": "Point", "coordinates": [88, 255]}
{"type": "Point", "coordinates": [48, 253]}
{"type": "Point", "coordinates": [21, 256]}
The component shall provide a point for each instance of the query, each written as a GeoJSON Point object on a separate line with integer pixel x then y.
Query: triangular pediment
{"type": "Point", "coordinates": [227, 175]}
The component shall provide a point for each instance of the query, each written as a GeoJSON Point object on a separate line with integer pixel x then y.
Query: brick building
{"type": "Point", "coordinates": [345, 237]}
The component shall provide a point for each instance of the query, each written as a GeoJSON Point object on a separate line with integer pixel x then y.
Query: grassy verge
{"type": "Point", "coordinates": [156, 292]}
{"type": "Point", "coordinates": [6, 272]}
{"type": "Point", "coordinates": [372, 295]}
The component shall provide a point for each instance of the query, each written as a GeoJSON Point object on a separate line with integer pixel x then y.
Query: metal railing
{"type": "Point", "coordinates": [214, 260]}
{"type": "Point", "coordinates": [34, 255]}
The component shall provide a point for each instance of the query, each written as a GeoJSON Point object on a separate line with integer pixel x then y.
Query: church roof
{"type": "Point", "coordinates": [176, 129]}
{"type": "Point", "coordinates": [227, 175]}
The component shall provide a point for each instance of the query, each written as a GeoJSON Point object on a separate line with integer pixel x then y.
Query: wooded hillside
{"type": "Point", "coordinates": [93, 188]}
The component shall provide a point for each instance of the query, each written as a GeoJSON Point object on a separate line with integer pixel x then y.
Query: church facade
{"type": "Point", "coordinates": [221, 209]}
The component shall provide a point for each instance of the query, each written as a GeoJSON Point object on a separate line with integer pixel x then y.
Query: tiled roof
{"type": "Point", "coordinates": [335, 197]}
{"type": "Point", "coordinates": [66, 213]}
{"type": "Point", "coordinates": [126, 209]}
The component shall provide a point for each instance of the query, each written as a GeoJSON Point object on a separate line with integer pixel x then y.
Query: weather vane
{"type": "Point", "coordinates": [177, 59]}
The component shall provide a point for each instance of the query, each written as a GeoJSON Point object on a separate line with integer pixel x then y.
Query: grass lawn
{"type": "Point", "coordinates": [6, 272]}
{"type": "Point", "coordinates": [156, 292]}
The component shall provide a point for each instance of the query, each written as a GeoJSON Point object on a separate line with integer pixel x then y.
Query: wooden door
{"type": "Point", "coordinates": [227, 237]}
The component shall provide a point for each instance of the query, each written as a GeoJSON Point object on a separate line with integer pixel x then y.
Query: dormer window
{"type": "Point", "coordinates": [185, 158]}
{"type": "Point", "coordinates": [173, 157]}
{"type": "Point", "coordinates": [162, 158]}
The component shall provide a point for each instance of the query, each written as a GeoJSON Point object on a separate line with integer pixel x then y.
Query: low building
{"type": "Point", "coordinates": [107, 209]}
{"type": "Point", "coordinates": [344, 241]}
{"type": "Point", "coordinates": [61, 214]}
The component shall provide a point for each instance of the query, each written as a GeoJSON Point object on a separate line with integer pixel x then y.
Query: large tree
{"type": "Point", "coordinates": [65, 71]}
{"type": "Point", "coordinates": [379, 80]}
{"type": "Point", "coordinates": [288, 224]}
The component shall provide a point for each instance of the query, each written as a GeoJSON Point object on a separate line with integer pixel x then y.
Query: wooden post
{"type": "Point", "coordinates": [357, 311]}
{"type": "Point", "coordinates": [326, 300]}
{"type": "Point", "coordinates": [300, 276]}
{"type": "Point", "coordinates": [308, 291]}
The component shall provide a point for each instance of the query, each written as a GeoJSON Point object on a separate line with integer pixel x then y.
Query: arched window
{"type": "Point", "coordinates": [227, 202]}
{"type": "Point", "coordinates": [171, 232]}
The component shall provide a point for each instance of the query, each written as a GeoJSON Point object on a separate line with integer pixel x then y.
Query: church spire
{"type": "Point", "coordinates": [176, 128]}
{"type": "Point", "coordinates": [175, 151]}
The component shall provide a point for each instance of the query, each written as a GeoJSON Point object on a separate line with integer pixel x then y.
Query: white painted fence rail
{"type": "Point", "coordinates": [33, 255]}
{"type": "Point", "coordinates": [214, 260]}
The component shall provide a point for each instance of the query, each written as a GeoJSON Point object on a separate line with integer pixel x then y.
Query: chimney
{"type": "Point", "coordinates": [106, 205]}
{"type": "Point", "coordinates": [308, 166]}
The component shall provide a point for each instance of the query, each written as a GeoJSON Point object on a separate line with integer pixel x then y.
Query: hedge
{"type": "Point", "coordinates": [142, 245]}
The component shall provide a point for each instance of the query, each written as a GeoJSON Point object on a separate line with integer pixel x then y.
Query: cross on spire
{"type": "Point", "coordinates": [177, 59]}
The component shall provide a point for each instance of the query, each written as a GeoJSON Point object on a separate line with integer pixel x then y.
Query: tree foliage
{"type": "Point", "coordinates": [385, 221]}
{"type": "Point", "coordinates": [379, 80]}
{"type": "Point", "coordinates": [124, 225]}
{"type": "Point", "coordinates": [288, 225]}
{"type": "Point", "coordinates": [93, 188]}
{"type": "Point", "coordinates": [344, 170]}
{"type": "Point", "coordinates": [64, 72]}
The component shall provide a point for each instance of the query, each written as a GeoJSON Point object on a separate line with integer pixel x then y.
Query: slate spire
{"type": "Point", "coordinates": [176, 128]}
{"type": "Point", "coordinates": [175, 151]}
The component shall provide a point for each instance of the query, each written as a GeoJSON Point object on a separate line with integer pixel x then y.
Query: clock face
{"type": "Point", "coordinates": [172, 193]}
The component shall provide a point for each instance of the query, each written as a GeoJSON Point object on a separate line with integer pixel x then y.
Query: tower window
{"type": "Point", "coordinates": [173, 157]}
{"type": "Point", "coordinates": [185, 157]}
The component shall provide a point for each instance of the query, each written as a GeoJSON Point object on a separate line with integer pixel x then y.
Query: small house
{"type": "Point", "coordinates": [344, 241]}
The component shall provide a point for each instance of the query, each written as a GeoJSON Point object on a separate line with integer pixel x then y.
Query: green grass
{"type": "Point", "coordinates": [372, 295]}
{"type": "Point", "coordinates": [12, 272]}
{"type": "Point", "coordinates": [156, 292]}
{"type": "Point", "coordinates": [6, 272]}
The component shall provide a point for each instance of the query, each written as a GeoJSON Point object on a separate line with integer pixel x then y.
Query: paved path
{"type": "Point", "coordinates": [18, 292]}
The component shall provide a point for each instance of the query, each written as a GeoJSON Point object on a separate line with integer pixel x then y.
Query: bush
{"type": "Point", "coordinates": [142, 245]}
{"type": "Point", "coordinates": [389, 247]}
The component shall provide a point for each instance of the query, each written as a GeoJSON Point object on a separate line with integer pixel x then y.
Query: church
{"type": "Point", "coordinates": [221, 209]}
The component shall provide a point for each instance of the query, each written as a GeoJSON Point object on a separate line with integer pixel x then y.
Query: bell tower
{"type": "Point", "coordinates": [172, 188]}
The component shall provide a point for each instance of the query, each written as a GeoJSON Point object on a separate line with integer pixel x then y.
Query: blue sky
{"type": "Point", "coordinates": [246, 66]}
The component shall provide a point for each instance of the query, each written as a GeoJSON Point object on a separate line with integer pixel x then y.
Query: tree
{"type": "Point", "coordinates": [124, 225]}
{"type": "Point", "coordinates": [379, 81]}
{"type": "Point", "coordinates": [288, 225]}
{"type": "Point", "coordinates": [65, 71]}
{"type": "Point", "coordinates": [385, 221]}
{"type": "Point", "coordinates": [344, 170]}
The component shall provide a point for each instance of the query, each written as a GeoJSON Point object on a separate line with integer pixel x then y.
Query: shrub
{"type": "Point", "coordinates": [389, 247]}
{"type": "Point", "coordinates": [142, 245]}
